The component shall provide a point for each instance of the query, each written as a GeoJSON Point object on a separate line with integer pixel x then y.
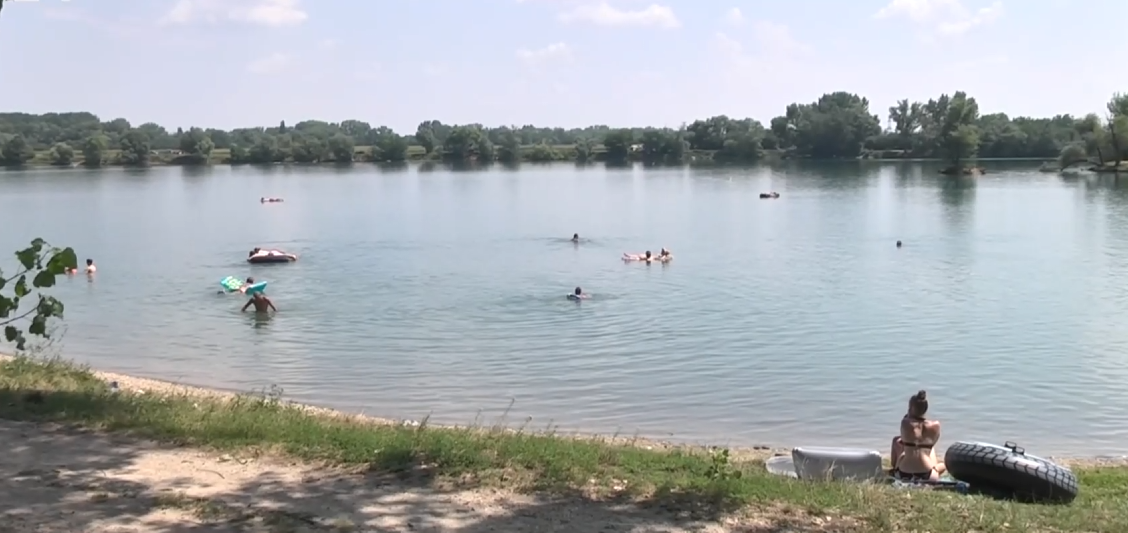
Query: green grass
{"type": "Point", "coordinates": [698, 479]}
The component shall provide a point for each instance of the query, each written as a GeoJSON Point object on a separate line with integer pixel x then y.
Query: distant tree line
{"type": "Point", "coordinates": [837, 126]}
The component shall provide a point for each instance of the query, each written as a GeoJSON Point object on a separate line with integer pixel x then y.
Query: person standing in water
{"type": "Point", "coordinates": [578, 295]}
{"type": "Point", "coordinates": [90, 268]}
{"type": "Point", "coordinates": [575, 237]}
{"type": "Point", "coordinates": [261, 302]}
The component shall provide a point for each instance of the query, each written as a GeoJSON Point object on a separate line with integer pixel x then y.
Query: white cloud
{"type": "Point", "coordinates": [271, 64]}
{"type": "Point", "coordinates": [777, 39]}
{"type": "Point", "coordinates": [604, 14]}
{"type": "Point", "coordinates": [773, 46]}
{"type": "Point", "coordinates": [262, 12]}
{"type": "Point", "coordinates": [984, 15]}
{"type": "Point", "coordinates": [553, 53]}
{"type": "Point", "coordinates": [949, 17]}
{"type": "Point", "coordinates": [734, 17]}
{"type": "Point", "coordinates": [329, 44]}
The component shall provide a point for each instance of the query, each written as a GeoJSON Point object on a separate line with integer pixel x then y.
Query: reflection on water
{"type": "Point", "coordinates": [422, 290]}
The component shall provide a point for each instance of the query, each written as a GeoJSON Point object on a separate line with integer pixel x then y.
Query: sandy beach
{"type": "Point", "coordinates": [67, 479]}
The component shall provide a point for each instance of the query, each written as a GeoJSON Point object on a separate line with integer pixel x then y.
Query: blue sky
{"type": "Point", "coordinates": [231, 63]}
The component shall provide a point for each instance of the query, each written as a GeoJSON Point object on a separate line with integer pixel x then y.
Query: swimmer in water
{"type": "Point", "coordinates": [665, 255]}
{"type": "Point", "coordinates": [575, 237]}
{"type": "Point", "coordinates": [261, 302]}
{"type": "Point", "coordinates": [578, 294]}
{"type": "Point", "coordinates": [90, 268]}
{"type": "Point", "coordinates": [250, 281]}
{"type": "Point", "coordinates": [648, 257]}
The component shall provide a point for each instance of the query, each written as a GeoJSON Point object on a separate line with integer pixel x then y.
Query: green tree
{"type": "Point", "coordinates": [585, 151]}
{"type": "Point", "coordinates": [239, 155]}
{"type": "Point", "coordinates": [342, 148]}
{"type": "Point", "coordinates": [664, 146]}
{"type": "Point", "coordinates": [1072, 154]}
{"type": "Point", "coordinates": [617, 144]}
{"type": "Point", "coordinates": [465, 142]}
{"type": "Point", "coordinates": [543, 152]}
{"type": "Point", "coordinates": [135, 148]}
{"type": "Point", "coordinates": [308, 148]}
{"type": "Point", "coordinates": [835, 126]}
{"type": "Point", "coordinates": [952, 124]}
{"type": "Point", "coordinates": [94, 149]}
{"type": "Point", "coordinates": [357, 129]}
{"type": "Point", "coordinates": [62, 155]}
{"type": "Point", "coordinates": [431, 134]}
{"type": "Point", "coordinates": [16, 151]}
{"type": "Point", "coordinates": [197, 145]}
{"type": "Point", "coordinates": [388, 146]}
{"type": "Point", "coordinates": [20, 315]}
{"type": "Point", "coordinates": [264, 150]}
{"type": "Point", "coordinates": [508, 145]}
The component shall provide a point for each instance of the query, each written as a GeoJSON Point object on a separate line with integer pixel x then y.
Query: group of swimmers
{"type": "Point", "coordinates": [664, 256]}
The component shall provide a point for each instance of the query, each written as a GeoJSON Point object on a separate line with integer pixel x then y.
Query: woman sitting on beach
{"type": "Point", "coordinates": [913, 454]}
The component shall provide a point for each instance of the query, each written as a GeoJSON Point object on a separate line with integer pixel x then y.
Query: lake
{"type": "Point", "coordinates": [783, 322]}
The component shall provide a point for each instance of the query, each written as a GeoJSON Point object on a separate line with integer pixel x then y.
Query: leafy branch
{"type": "Point", "coordinates": [40, 264]}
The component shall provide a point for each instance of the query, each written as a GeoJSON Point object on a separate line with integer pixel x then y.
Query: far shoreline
{"type": "Point", "coordinates": [415, 162]}
{"type": "Point", "coordinates": [165, 387]}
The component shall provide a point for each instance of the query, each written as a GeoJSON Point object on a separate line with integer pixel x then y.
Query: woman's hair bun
{"type": "Point", "coordinates": [921, 395]}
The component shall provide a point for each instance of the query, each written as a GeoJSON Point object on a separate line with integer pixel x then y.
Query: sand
{"type": "Point", "coordinates": [66, 479]}
{"type": "Point", "coordinates": [69, 480]}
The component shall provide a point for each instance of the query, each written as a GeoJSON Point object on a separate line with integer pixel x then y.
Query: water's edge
{"type": "Point", "coordinates": [759, 452]}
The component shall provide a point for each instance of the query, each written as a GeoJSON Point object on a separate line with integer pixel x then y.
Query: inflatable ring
{"type": "Point", "coordinates": [1008, 470]}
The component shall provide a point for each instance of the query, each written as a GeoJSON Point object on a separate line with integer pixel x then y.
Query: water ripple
{"type": "Point", "coordinates": [779, 322]}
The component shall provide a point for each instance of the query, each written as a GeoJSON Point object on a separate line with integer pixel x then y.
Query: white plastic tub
{"type": "Point", "coordinates": [837, 464]}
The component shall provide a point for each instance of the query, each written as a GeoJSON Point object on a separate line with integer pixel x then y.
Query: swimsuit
{"type": "Point", "coordinates": [915, 476]}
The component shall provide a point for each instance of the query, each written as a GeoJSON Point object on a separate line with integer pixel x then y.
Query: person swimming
{"type": "Point", "coordinates": [647, 256]}
{"type": "Point", "coordinates": [575, 237]}
{"type": "Point", "coordinates": [90, 268]}
{"type": "Point", "coordinates": [578, 295]}
{"type": "Point", "coordinates": [261, 302]}
{"type": "Point", "coordinates": [665, 255]}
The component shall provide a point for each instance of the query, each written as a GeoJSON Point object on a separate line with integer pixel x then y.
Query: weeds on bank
{"type": "Point", "coordinates": [702, 481]}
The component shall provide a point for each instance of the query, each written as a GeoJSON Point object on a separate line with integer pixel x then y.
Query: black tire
{"type": "Point", "coordinates": [1007, 470]}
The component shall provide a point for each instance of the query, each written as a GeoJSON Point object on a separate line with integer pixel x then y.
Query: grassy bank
{"type": "Point", "coordinates": [703, 481]}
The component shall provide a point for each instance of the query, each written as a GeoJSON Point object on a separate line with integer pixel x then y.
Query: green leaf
{"type": "Point", "coordinates": [21, 343]}
{"type": "Point", "coordinates": [6, 306]}
{"type": "Point", "coordinates": [43, 279]}
{"type": "Point", "coordinates": [38, 326]}
{"type": "Point", "coordinates": [27, 257]}
{"type": "Point", "coordinates": [22, 289]}
{"type": "Point", "coordinates": [61, 261]}
{"type": "Point", "coordinates": [49, 306]}
{"type": "Point", "coordinates": [10, 333]}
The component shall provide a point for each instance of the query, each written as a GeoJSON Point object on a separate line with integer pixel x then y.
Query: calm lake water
{"type": "Point", "coordinates": [787, 322]}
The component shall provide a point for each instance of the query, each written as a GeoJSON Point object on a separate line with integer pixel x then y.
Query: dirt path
{"type": "Point", "coordinates": [65, 480]}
